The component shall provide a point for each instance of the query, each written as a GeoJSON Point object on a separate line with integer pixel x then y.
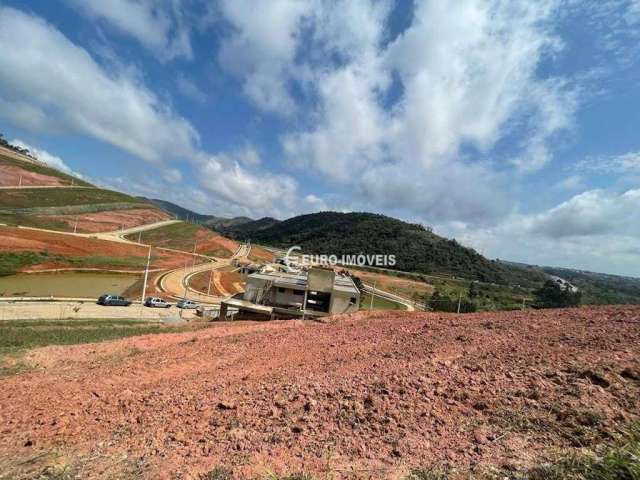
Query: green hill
{"type": "Point", "coordinates": [416, 248]}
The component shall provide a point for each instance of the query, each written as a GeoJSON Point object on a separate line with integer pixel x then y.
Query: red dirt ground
{"type": "Point", "coordinates": [10, 177]}
{"type": "Point", "coordinates": [363, 396]}
{"type": "Point", "coordinates": [231, 283]}
{"type": "Point", "coordinates": [24, 240]}
{"type": "Point", "coordinates": [260, 254]}
{"type": "Point", "coordinates": [113, 220]}
{"type": "Point", "coordinates": [209, 242]}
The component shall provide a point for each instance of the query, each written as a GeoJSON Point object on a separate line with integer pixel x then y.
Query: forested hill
{"type": "Point", "coordinates": [416, 248]}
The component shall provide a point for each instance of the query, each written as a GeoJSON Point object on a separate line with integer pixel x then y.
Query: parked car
{"type": "Point", "coordinates": [187, 304]}
{"type": "Point", "coordinates": [113, 301]}
{"type": "Point", "coordinates": [156, 302]}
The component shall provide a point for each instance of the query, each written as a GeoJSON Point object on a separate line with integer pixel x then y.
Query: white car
{"type": "Point", "coordinates": [156, 302]}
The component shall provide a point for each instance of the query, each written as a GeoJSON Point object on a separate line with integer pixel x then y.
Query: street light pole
{"type": "Point", "coordinates": [210, 280]}
{"type": "Point", "coordinates": [146, 276]}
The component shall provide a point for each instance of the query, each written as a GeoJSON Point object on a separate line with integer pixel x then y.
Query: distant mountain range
{"type": "Point", "coordinates": [185, 214]}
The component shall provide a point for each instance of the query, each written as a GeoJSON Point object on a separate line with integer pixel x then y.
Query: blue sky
{"type": "Point", "coordinates": [510, 125]}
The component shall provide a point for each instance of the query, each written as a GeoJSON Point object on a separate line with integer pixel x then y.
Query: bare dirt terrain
{"type": "Point", "coordinates": [398, 285]}
{"type": "Point", "coordinates": [369, 395]}
{"type": "Point", "coordinates": [17, 240]}
{"type": "Point", "coordinates": [111, 220]}
{"type": "Point", "coordinates": [223, 283]}
{"type": "Point", "coordinates": [10, 176]}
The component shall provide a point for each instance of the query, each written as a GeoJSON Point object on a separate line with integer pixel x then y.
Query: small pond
{"type": "Point", "coordinates": [65, 284]}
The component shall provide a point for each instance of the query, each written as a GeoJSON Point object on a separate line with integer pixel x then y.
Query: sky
{"type": "Point", "coordinates": [512, 125]}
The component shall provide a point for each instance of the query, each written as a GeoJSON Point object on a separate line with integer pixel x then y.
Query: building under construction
{"type": "Point", "coordinates": [316, 293]}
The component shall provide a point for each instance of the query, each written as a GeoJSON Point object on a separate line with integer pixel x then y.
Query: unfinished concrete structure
{"type": "Point", "coordinates": [315, 293]}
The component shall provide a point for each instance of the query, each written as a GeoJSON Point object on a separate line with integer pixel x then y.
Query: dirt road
{"type": "Point", "coordinates": [369, 395]}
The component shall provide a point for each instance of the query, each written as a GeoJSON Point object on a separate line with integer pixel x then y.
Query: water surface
{"type": "Point", "coordinates": [65, 284]}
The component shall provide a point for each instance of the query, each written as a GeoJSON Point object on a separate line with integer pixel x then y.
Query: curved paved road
{"type": "Point", "coordinates": [176, 282]}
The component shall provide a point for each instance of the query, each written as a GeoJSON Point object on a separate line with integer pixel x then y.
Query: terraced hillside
{"type": "Point", "coordinates": [33, 250]}
{"type": "Point", "coordinates": [38, 196]}
{"type": "Point", "coordinates": [186, 237]}
{"type": "Point", "coordinates": [17, 170]}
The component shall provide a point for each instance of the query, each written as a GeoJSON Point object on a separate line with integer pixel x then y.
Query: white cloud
{"type": "Point", "coordinates": [172, 175]}
{"type": "Point", "coordinates": [189, 89]}
{"type": "Point", "coordinates": [572, 182]}
{"type": "Point", "coordinates": [158, 25]}
{"type": "Point", "coordinates": [596, 230]}
{"type": "Point", "coordinates": [262, 46]}
{"type": "Point", "coordinates": [628, 162]}
{"type": "Point", "coordinates": [593, 212]}
{"type": "Point", "coordinates": [250, 192]}
{"type": "Point", "coordinates": [56, 82]}
{"type": "Point", "coordinates": [46, 157]}
{"type": "Point", "coordinates": [466, 79]}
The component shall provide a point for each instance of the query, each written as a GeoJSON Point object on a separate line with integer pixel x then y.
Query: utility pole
{"type": "Point", "coordinates": [140, 237]}
{"type": "Point", "coordinates": [20, 181]}
{"type": "Point", "coordinates": [210, 280]}
{"type": "Point", "coordinates": [195, 244]}
{"type": "Point", "coordinates": [523, 303]}
{"type": "Point", "coordinates": [459, 300]}
{"type": "Point", "coordinates": [375, 282]}
{"type": "Point", "coordinates": [304, 303]}
{"type": "Point", "coordinates": [146, 276]}
{"type": "Point", "coordinates": [75, 226]}
{"type": "Point", "coordinates": [184, 280]}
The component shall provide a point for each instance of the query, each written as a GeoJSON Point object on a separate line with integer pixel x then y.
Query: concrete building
{"type": "Point", "coordinates": [315, 293]}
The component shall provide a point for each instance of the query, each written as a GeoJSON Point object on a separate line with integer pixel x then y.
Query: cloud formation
{"type": "Point", "coordinates": [158, 25]}
{"type": "Point", "coordinates": [454, 82]}
{"type": "Point", "coordinates": [596, 230]}
{"type": "Point", "coordinates": [57, 84]}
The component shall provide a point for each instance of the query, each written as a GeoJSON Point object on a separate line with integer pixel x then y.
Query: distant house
{"type": "Point", "coordinates": [316, 293]}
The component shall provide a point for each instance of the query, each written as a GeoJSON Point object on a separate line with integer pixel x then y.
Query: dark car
{"type": "Point", "coordinates": [113, 301]}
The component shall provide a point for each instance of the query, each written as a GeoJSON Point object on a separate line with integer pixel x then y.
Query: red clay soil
{"type": "Point", "coordinates": [214, 244]}
{"type": "Point", "coordinates": [229, 281]}
{"type": "Point", "coordinates": [369, 395]}
{"type": "Point", "coordinates": [112, 220]}
{"type": "Point", "coordinates": [260, 254]}
{"type": "Point", "coordinates": [17, 240]}
{"type": "Point", "coordinates": [10, 177]}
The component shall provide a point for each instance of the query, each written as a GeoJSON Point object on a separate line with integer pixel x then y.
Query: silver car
{"type": "Point", "coordinates": [187, 304]}
{"type": "Point", "coordinates": [156, 302]}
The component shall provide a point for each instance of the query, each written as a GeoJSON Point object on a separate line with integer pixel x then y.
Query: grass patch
{"type": "Point", "coordinates": [291, 476]}
{"type": "Point", "coordinates": [35, 221]}
{"type": "Point", "coordinates": [11, 263]}
{"type": "Point", "coordinates": [182, 236]}
{"type": "Point", "coordinates": [177, 235]}
{"type": "Point", "coordinates": [17, 336]}
{"type": "Point", "coordinates": [218, 473]}
{"type": "Point", "coordinates": [60, 197]}
{"type": "Point", "coordinates": [617, 461]}
{"type": "Point", "coordinates": [379, 303]}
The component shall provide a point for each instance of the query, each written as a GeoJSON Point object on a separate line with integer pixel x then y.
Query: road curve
{"type": "Point", "coordinates": [390, 296]}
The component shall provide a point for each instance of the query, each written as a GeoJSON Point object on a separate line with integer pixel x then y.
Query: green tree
{"type": "Point", "coordinates": [555, 295]}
